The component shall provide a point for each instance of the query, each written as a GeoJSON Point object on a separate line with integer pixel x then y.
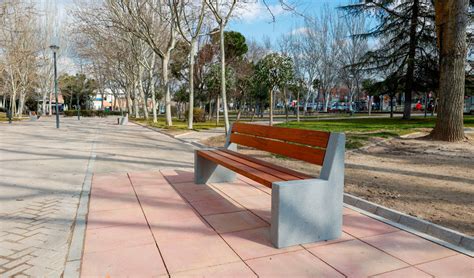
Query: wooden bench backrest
{"type": "Point", "coordinates": [306, 145]}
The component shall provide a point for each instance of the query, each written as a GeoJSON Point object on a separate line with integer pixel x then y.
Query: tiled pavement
{"type": "Point", "coordinates": [162, 224]}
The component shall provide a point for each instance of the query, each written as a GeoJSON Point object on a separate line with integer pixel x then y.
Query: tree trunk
{"type": "Point", "coordinates": [141, 88]}
{"type": "Point", "coordinates": [391, 106]}
{"type": "Point", "coordinates": [191, 84]}
{"type": "Point", "coordinates": [223, 81]}
{"type": "Point", "coordinates": [217, 110]}
{"type": "Point", "coordinates": [451, 23]}
{"type": "Point", "coordinates": [166, 85]}
{"type": "Point", "coordinates": [152, 86]}
{"type": "Point", "coordinates": [50, 104]}
{"type": "Point", "coordinates": [271, 107]}
{"type": "Point", "coordinates": [326, 102]}
{"type": "Point", "coordinates": [298, 106]}
{"type": "Point", "coordinates": [411, 60]}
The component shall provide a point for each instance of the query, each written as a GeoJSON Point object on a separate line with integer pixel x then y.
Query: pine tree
{"type": "Point", "coordinates": [406, 39]}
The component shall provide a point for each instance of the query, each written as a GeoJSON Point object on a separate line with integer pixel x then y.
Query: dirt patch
{"type": "Point", "coordinates": [428, 179]}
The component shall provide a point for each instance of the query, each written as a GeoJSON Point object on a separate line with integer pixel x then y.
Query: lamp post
{"type": "Point", "coordinates": [55, 48]}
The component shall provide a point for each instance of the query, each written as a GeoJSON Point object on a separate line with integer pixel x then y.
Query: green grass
{"type": "Point", "coordinates": [180, 124]}
{"type": "Point", "coordinates": [359, 131]}
{"type": "Point", "coordinates": [3, 117]}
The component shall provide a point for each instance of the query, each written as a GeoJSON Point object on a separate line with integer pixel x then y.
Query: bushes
{"type": "Point", "coordinates": [92, 113]}
{"type": "Point", "coordinates": [199, 115]}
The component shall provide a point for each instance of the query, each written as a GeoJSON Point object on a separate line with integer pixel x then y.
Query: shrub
{"type": "Point", "coordinates": [199, 115]}
{"type": "Point", "coordinates": [70, 113]}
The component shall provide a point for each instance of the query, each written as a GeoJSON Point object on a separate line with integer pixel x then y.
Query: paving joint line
{"type": "Point", "coordinates": [76, 246]}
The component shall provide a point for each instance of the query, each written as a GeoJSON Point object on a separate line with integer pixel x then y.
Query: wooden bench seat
{"type": "Point", "coordinates": [253, 168]}
{"type": "Point", "coordinates": [304, 208]}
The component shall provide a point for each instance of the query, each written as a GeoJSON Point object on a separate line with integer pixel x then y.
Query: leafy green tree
{"type": "Point", "coordinates": [276, 72]}
{"type": "Point", "coordinates": [235, 45]}
{"type": "Point", "coordinates": [77, 89]}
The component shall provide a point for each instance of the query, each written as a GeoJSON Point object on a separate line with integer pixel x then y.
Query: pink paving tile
{"type": "Point", "coordinates": [404, 272]}
{"type": "Point", "coordinates": [137, 261]}
{"type": "Point", "coordinates": [256, 202]}
{"type": "Point", "coordinates": [292, 264]}
{"type": "Point", "coordinates": [161, 210]}
{"type": "Point", "coordinates": [216, 206]}
{"type": "Point", "coordinates": [238, 189]}
{"type": "Point", "coordinates": [359, 225]}
{"type": "Point", "coordinates": [180, 229]}
{"type": "Point", "coordinates": [454, 266]}
{"type": "Point", "coordinates": [349, 211]}
{"type": "Point", "coordinates": [111, 201]}
{"type": "Point", "coordinates": [344, 237]}
{"type": "Point", "coordinates": [188, 254]}
{"type": "Point", "coordinates": [201, 195]}
{"type": "Point", "coordinates": [117, 217]}
{"type": "Point", "coordinates": [254, 243]}
{"type": "Point", "coordinates": [117, 237]}
{"type": "Point", "coordinates": [237, 270]}
{"type": "Point", "coordinates": [190, 186]}
{"type": "Point", "coordinates": [357, 259]}
{"type": "Point", "coordinates": [234, 221]}
{"type": "Point", "coordinates": [264, 213]}
{"type": "Point", "coordinates": [409, 248]}
{"type": "Point", "coordinates": [158, 193]}
{"type": "Point", "coordinates": [145, 179]}
{"type": "Point", "coordinates": [178, 176]}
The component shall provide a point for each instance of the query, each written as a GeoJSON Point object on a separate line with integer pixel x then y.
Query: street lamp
{"type": "Point", "coordinates": [55, 48]}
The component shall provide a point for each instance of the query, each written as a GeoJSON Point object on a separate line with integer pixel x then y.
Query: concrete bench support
{"type": "Point", "coordinates": [305, 211]}
{"type": "Point", "coordinates": [208, 171]}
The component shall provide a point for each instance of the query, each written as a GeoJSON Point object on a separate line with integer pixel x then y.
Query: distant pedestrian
{"type": "Point", "coordinates": [418, 106]}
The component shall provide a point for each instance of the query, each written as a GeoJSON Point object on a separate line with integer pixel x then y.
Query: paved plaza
{"type": "Point", "coordinates": [43, 171]}
{"type": "Point", "coordinates": [160, 224]}
{"type": "Point", "coordinates": [146, 217]}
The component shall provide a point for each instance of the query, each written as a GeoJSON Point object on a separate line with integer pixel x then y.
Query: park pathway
{"type": "Point", "coordinates": [43, 172]}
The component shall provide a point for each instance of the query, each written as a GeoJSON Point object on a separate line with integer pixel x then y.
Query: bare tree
{"type": "Point", "coordinates": [190, 19]}
{"type": "Point", "coordinates": [353, 50]}
{"type": "Point", "coordinates": [222, 11]}
{"type": "Point", "coordinates": [154, 22]}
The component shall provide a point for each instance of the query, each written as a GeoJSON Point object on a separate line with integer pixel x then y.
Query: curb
{"type": "Point", "coordinates": [449, 238]}
{"type": "Point", "coordinates": [74, 257]}
{"type": "Point", "coordinates": [176, 137]}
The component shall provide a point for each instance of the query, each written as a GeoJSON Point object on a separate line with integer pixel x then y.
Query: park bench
{"type": "Point", "coordinates": [304, 209]}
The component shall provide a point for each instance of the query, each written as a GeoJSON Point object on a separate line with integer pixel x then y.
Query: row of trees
{"type": "Point", "coordinates": [25, 58]}
{"type": "Point", "coordinates": [151, 52]}
{"type": "Point", "coordinates": [128, 42]}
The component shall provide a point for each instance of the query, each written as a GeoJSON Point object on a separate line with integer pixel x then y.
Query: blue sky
{"type": "Point", "coordinates": [255, 22]}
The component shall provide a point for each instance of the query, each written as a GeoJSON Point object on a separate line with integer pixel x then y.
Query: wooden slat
{"type": "Point", "coordinates": [249, 172]}
{"type": "Point", "coordinates": [269, 165]}
{"type": "Point", "coordinates": [243, 160]}
{"type": "Point", "coordinates": [301, 136]}
{"type": "Point", "coordinates": [311, 155]}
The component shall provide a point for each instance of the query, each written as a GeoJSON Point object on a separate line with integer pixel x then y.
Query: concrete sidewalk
{"type": "Point", "coordinates": [44, 171]}
{"type": "Point", "coordinates": [161, 224]}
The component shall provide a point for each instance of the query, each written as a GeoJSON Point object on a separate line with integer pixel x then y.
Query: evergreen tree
{"type": "Point", "coordinates": [406, 36]}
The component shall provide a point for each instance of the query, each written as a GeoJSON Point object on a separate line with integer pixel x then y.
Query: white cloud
{"type": "Point", "coordinates": [301, 30]}
{"type": "Point", "coordinates": [254, 11]}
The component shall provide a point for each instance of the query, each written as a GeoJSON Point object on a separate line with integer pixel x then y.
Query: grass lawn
{"type": "Point", "coordinates": [359, 131]}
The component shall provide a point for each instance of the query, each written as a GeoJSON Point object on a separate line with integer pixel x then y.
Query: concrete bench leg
{"type": "Point", "coordinates": [207, 171]}
{"type": "Point", "coordinates": [305, 211]}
